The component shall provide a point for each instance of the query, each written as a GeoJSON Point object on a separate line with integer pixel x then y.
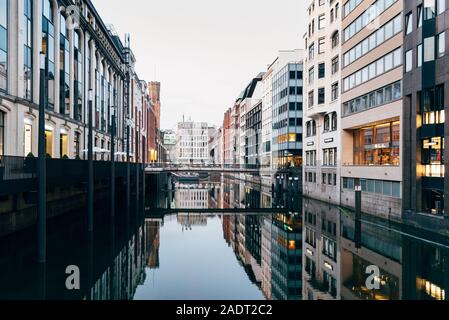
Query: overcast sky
{"type": "Point", "coordinates": [204, 52]}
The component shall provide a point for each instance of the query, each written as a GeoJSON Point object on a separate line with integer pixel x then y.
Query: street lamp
{"type": "Point", "coordinates": [41, 172]}
{"type": "Point", "coordinates": [90, 167]}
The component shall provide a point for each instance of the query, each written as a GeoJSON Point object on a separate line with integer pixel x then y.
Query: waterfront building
{"type": "Point", "coordinates": [425, 86]}
{"type": "Point", "coordinates": [250, 128]}
{"type": "Point", "coordinates": [169, 143]}
{"type": "Point", "coordinates": [80, 53]}
{"type": "Point", "coordinates": [192, 142]}
{"type": "Point", "coordinates": [371, 115]}
{"type": "Point", "coordinates": [322, 143]}
{"type": "Point", "coordinates": [287, 114]}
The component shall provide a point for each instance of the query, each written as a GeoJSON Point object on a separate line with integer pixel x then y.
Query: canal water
{"type": "Point", "coordinates": [226, 238]}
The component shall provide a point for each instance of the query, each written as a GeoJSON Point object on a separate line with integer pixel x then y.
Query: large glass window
{"type": "Point", "coordinates": [27, 49]}
{"type": "Point", "coordinates": [3, 45]}
{"type": "Point", "coordinates": [433, 157]}
{"type": "Point", "coordinates": [377, 145]}
{"type": "Point", "coordinates": [78, 78]}
{"type": "Point", "coordinates": [64, 80]}
{"type": "Point", "coordinates": [433, 106]}
{"type": "Point", "coordinates": [373, 99]}
{"type": "Point", "coordinates": [376, 68]}
{"type": "Point", "coordinates": [48, 47]}
{"type": "Point", "coordinates": [375, 10]}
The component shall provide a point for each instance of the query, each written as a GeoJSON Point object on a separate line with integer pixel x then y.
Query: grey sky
{"type": "Point", "coordinates": [204, 52]}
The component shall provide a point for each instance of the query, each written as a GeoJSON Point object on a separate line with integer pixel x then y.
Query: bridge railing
{"type": "Point", "coordinates": [177, 166]}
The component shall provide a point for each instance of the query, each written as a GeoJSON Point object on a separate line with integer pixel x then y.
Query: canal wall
{"type": "Point", "coordinates": [66, 189]}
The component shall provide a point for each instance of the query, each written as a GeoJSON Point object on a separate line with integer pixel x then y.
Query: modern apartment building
{"type": "Point", "coordinates": [322, 136]}
{"type": "Point", "coordinates": [425, 99]}
{"type": "Point", "coordinates": [192, 142]}
{"type": "Point", "coordinates": [80, 53]}
{"type": "Point", "coordinates": [372, 115]}
{"type": "Point", "coordinates": [287, 114]}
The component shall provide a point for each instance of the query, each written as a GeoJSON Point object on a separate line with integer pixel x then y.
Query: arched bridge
{"type": "Point", "coordinates": [207, 168]}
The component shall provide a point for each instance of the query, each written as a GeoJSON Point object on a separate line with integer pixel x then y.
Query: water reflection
{"type": "Point", "coordinates": [300, 249]}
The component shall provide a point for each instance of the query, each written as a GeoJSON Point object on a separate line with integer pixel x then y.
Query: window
{"type": "Point", "coordinates": [321, 71]}
{"type": "Point", "coordinates": [441, 44]}
{"type": "Point", "coordinates": [63, 145]}
{"type": "Point", "coordinates": [78, 88]}
{"type": "Point", "coordinates": [409, 61]}
{"type": "Point", "coordinates": [384, 33]}
{"type": "Point", "coordinates": [429, 49]}
{"type": "Point", "coordinates": [27, 139]}
{"type": "Point", "coordinates": [429, 9]}
{"type": "Point", "coordinates": [311, 75]}
{"type": "Point", "coordinates": [2, 133]}
{"type": "Point", "coordinates": [77, 144]}
{"type": "Point", "coordinates": [335, 39]}
{"type": "Point", "coordinates": [433, 157]}
{"type": "Point", "coordinates": [335, 93]}
{"type": "Point", "coordinates": [374, 11]}
{"type": "Point", "coordinates": [377, 145]}
{"type": "Point", "coordinates": [335, 65]}
{"type": "Point", "coordinates": [321, 44]}
{"type": "Point", "coordinates": [409, 23]}
{"type": "Point", "coordinates": [48, 47]}
{"type": "Point", "coordinates": [3, 45]}
{"type": "Point", "coordinates": [311, 51]}
{"type": "Point", "coordinates": [311, 102]}
{"type": "Point", "coordinates": [419, 55]}
{"type": "Point", "coordinates": [64, 82]}
{"type": "Point", "coordinates": [321, 96]}
{"type": "Point", "coordinates": [326, 123]}
{"type": "Point", "coordinates": [28, 49]}
{"type": "Point", "coordinates": [321, 22]}
{"type": "Point", "coordinates": [373, 70]}
{"type": "Point", "coordinates": [420, 15]}
{"type": "Point", "coordinates": [441, 6]}
{"type": "Point", "coordinates": [334, 121]}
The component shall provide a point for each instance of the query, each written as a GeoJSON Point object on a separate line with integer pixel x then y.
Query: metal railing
{"type": "Point", "coordinates": [174, 166]}
{"type": "Point", "coordinates": [14, 168]}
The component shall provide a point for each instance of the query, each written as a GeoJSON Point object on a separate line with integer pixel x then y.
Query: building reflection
{"type": "Point", "coordinates": [321, 252]}
{"type": "Point", "coordinates": [152, 241]}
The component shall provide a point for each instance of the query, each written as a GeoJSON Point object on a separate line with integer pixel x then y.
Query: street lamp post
{"type": "Point", "coordinates": [41, 172]}
{"type": "Point", "coordinates": [90, 167]}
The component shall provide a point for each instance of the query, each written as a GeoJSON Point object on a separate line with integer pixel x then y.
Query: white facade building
{"type": "Point", "coordinates": [192, 142]}
{"type": "Point", "coordinates": [322, 143]}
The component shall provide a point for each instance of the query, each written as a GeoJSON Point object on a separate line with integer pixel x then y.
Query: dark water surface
{"type": "Point", "coordinates": [302, 249]}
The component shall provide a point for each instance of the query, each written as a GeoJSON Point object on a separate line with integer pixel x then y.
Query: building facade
{"type": "Point", "coordinates": [322, 143]}
{"type": "Point", "coordinates": [287, 114]}
{"type": "Point", "coordinates": [192, 143]}
{"type": "Point", "coordinates": [371, 115]}
{"type": "Point", "coordinates": [79, 53]}
{"type": "Point", "coordinates": [425, 83]}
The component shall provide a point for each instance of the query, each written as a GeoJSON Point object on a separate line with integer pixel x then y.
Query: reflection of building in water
{"type": "Point", "coordinates": [286, 265]}
{"type": "Point", "coordinates": [152, 242]}
{"type": "Point", "coordinates": [227, 235]}
{"type": "Point", "coordinates": [321, 276]}
{"type": "Point", "coordinates": [425, 270]}
{"type": "Point", "coordinates": [266, 256]}
{"type": "Point", "coordinates": [253, 244]}
{"type": "Point", "coordinates": [378, 247]}
{"type": "Point", "coordinates": [187, 220]}
{"type": "Point", "coordinates": [119, 281]}
{"type": "Point", "coordinates": [192, 198]}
